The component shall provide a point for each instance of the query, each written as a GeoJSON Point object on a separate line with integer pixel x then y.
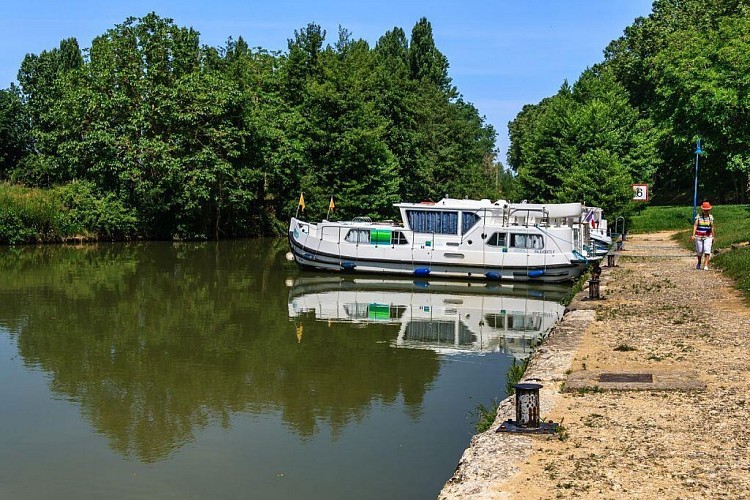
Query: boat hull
{"type": "Point", "coordinates": [311, 258]}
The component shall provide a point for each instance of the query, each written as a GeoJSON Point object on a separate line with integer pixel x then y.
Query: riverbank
{"type": "Point", "coordinates": [681, 435]}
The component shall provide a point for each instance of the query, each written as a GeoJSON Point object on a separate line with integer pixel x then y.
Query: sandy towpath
{"type": "Point", "coordinates": [682, 432]}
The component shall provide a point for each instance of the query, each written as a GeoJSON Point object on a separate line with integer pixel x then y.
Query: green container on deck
{"type": "Point", "coordinates": [380, 236]}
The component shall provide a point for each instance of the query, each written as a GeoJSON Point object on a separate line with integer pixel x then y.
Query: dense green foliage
{"type": "Point", "coordinates": [204, 142]}
{"type": "Point", "coordinates": [33, 215]}
{"type": "Point", "coordinates": [674, 76]}
{"type": "Point", "coordinates": [189, 141]}
{"type": "Point", "coordinates": [584, 144]}
{"type": "Point", "coordinates": [11, 129]}
{"type": "Point", "coordinates": [28, 215]}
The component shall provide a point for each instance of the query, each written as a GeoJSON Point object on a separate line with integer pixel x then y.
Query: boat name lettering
{"type": "Point", "coordinates": [544, 251]}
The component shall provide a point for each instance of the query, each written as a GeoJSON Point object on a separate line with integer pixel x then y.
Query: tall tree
{"type": "Point", "coordinates": [42, 79]}
{"type": "Point", "coordinates": [13, 130]}
{"type": "Point", "coordinates": [348, 134]}
{"type": "Point", "coordinates": [543, 146]}
{"type": "Point", "coordinates": [704, 91]}
{"type": "Point", "coordinates": [426, 61]}
{"type": "Point", "coordinates": [587, 143]}
{"type": "Point", "coordinates": [303, 60]}
{"type": "Point", "coordinates": [675, 62]}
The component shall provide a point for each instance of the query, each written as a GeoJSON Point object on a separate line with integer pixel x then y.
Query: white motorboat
{"type": "Point", "coordinates": [474, 239]}
{"type": "Point", "coordinates": [600, 242]}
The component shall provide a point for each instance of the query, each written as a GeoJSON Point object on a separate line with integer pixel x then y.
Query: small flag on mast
{"type": "Point", "coordinates": [589, 215]}
{"type": "Point", "coordinates": [331, 206]}
{"type": "Point", "coordinates": [302, 201]}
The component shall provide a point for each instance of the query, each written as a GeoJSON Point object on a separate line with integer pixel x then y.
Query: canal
{"type": "Point", "coordinates": [220, 370]}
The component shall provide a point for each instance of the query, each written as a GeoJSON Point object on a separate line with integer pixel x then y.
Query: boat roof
{"type": "Point", "coordinates": [454, 203]}
{"type": "Point", "coordinates": [550, 209]}
{"type": "Point", "coordinates": [553, 210]}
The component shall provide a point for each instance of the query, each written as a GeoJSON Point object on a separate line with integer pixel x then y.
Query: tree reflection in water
{"type": "Point", "coordinates": [157, 340]}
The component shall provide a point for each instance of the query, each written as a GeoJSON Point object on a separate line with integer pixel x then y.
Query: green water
{"type": "Point", "coordinates": [162, 370]}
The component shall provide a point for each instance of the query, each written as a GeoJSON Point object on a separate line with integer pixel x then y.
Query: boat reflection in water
{"type": "Point", "coordinates": [445, 316]}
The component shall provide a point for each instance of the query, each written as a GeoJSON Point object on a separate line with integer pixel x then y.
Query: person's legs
{"type": "Point", "coordinates": [698, 251]}
{"type": "Point", "coordinates": [707, 243]}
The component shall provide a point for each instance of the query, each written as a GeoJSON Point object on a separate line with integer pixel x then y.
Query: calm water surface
{"type": "Point", "coordinates": [219, 370]}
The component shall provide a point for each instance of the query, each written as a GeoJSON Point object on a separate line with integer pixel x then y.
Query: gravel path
{"type": "Point", "coordinates": [688, 437]}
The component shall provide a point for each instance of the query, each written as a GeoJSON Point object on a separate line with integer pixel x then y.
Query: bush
{"type": "Point", "coordinates": [31, 215]}
{"type": "Point", "coordinates": [515, 374]}
{"type": "Point", "coordinates": [484, 416]}
{"type": "Point", "coordinates": [104, 216]}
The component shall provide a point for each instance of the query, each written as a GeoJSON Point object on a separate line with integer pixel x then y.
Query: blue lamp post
{"type": "Point", "coordinates": [698, 152]}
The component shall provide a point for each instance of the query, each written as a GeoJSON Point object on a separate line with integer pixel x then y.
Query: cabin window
{"type": "Point", "coordinates": [430, 221]}
{"type": "Point", "coordinates": [357, 310]}
{"type": "Point", "coordinates": [358, 236]}
{"type": "Point", "coordinates": [519, 240]}
{"type": "Point", "coordinates": [498, 240]}
{"type": "Point", "coordinates": [524, 323]}
{"type": "Point", "coordinates": [468, 220]}
{"type": "Point", "coordinates": [398, 238]}
{"type": "Point", "coordinates": [438, 332]}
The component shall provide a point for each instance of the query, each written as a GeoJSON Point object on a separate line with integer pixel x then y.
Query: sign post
{"type": "Point", "coordinates": [698, 152]}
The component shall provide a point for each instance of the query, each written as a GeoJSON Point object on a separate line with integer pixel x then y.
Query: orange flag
{"type": "Point", "coordinates": [331, 205]}
{"type": "Point", "coordinates": [302, 201]}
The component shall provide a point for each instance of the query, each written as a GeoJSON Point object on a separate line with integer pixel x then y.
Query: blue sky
{"type": "Point", "coordinates": [502, 53]}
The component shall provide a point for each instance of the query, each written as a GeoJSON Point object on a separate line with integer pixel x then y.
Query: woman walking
{"type": "Point", "coordinates": [704, 231]}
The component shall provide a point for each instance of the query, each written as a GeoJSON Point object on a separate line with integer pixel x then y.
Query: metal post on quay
{"type": "Point", "coordinates": [596, 272]}
{"type": "Point", "coordinates": [620, 241]}
{"type": "Point", "coordinates": [527, 412]}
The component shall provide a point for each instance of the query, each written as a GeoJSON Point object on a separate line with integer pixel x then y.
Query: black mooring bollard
{"type": "Point", "coordinates": [610, 261]}
{"type": "Point", "coordinates": [594, 289]}
{"type": "Point", "coordinates": [527, 413]}
{"type": "Point", "coordinates": [527, 405]}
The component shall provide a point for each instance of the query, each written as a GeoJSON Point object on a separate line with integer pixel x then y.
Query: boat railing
{"type": "Point", "coordinates": [544, 218]}
{"type": "Point", "coordinates": [303, 226]}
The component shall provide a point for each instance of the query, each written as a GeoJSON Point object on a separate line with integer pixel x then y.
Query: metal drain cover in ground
{"type": "Point", "coordinates": [643, 378]}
